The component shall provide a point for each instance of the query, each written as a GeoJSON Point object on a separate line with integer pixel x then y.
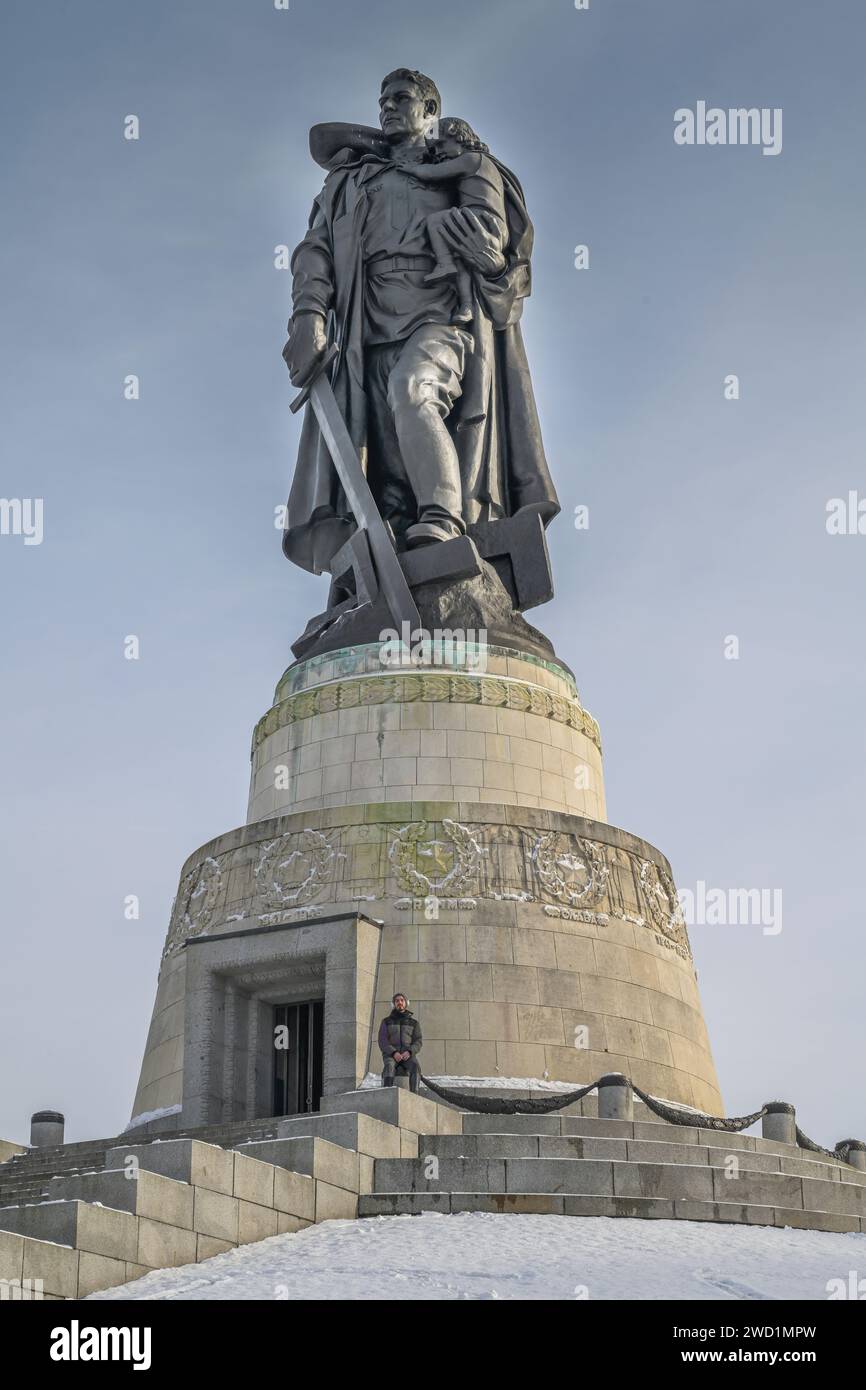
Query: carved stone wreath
{"type": "Point", "coordinates": [455, 881]}
{"type": "Point", "coordinates": [663, 905]}
{"type": "Point", "coordinates": [577, 879]}
{"type": "Point", "coordinates": [194, 905]}
{"type": "Point", "coordinates": [278, 863]}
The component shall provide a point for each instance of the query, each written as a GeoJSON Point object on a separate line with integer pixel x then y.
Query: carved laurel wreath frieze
{"type": "Point", "coordinates": [288, 874]}
{"type": "Point", "coordinates": [570, 876]}
{"type": "Point", "coordinates": [573, 871]}
{"type": "Point", "coordinates": [406, 689]}
{"type": "Point", "coordinates": [194, 907]}
{"type": "Point", "coordinates": [458, 860]}
{"type": "Point", "coordinates": [663, 905]}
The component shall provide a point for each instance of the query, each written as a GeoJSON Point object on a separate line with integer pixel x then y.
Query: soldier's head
{"type": "Point", "coordinates": [409, 105]}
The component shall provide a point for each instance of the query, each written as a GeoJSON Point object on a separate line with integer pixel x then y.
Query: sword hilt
{"type": "Point", "coordinates": [321, 366]}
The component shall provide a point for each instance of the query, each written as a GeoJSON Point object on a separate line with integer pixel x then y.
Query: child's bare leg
{"type": "Point", "coordinates": [446, 266]}
{"type": "Point", "coordinates": [465, 307]}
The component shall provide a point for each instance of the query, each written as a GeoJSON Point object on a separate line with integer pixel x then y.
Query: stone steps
{"type": "Point", "coordinates": [551, 1204]}
{"type": "Point", "coordinates": [156, 1206]}
{"type": "Point", "coordinates": [567, 1146]}
{"type": "Point", "coordinates": [26, 1176]}
{"type": "Point", "coordinates": [580, 1165]}
{"type": "Point", "coordinates": [388, 1152]}
{"type": "Point", "coordinates": [588, 1127]}
{"type": "Point", "coordinates": [600, 1177]}
{"type": "Point", "coordinates": [88, 1216]}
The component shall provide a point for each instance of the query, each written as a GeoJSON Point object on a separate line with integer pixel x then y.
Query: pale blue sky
{"type": "Point", "coordinates": [706, 516]}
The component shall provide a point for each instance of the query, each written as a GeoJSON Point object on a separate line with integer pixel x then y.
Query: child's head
{"type": "Point", "coordinates": [455, 137]}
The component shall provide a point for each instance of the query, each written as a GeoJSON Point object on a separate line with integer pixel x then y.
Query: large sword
{"type": "Point", "coordinates": [319, 392]}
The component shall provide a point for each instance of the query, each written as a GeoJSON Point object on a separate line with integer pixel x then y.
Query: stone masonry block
{"type": "Point", "coordinates": [11, 1255]}
{"type": "Point", "coordinates": [366, 1169]}
{"type": "Point", "coordinates": [746, 1159]}
{"type": "Point", "coordinates": [816, 1220]}
{"type": "Point", "coordinates": [409, 1142]}
{"type": "Point", "coordinates": [255, 1223]}
{"type": "Point", "coordinates": [472, 981]}
{"type": "Point", "coordinates": [510, 1124]}
{"type": "Point", "coordinates": [353, 1130]}
{"type": "Point", "coordinates": [516, 984]}
{"type": "Point", "coordinates": [572, 1146]}
{"type": "Point", "coordinates": [403, 1203]}
{"type": "Point", "coordinates": [470, 1058]}
{"type": "Point", "coordinates": [295, 1195]}
{"type": "Point", "coordinates": [161, 1246]}
{"type": "Point", "coordinates": [489, 1022]}
{"type": "Point", "coordinates": [253, 1180]}
{"type": "Point", "coordinates": [105, 1232]}
{"type": "Point", "coordinates": [185, 1160]}
{"type": "Point", "coordinates": [758, 1189]}
{"type": "Point", "coordinates": [539, 1024]}
{"type": "Point", "coordinates": [657, 1151]}
{"type": "Point", "coordinates": [574, 1176]}
{"type": "Point", "coordinates": [335, 1203]}
{"type": "Point", "coordinates": [845, 1198]}
{"type": "Point", "coordinates": [207, 1246]}
{"type": "Point", "coordinates": [289, 1225]}
{"type": "Point", "coordinates": [396, 1106]}
{"type": "Point", "coordinates": [686, 1210]}
{"type": "Point", "coordinates": [55, 1265]}
{"type": "Point", "coordinates": [663, 1180]}
{"type": "Point", "coordinates": [509, 1203]}
{"type": "Point", "coordinates": [98, 1272]}
{"type": "Point", "coordinates": [318, 1158]}
{"type": "Point", "coordinates": [141, 1193]}
{"type": "Point", "coordinates": [215, 1214]}
{"type": "Point", "coordinates": [680, 1134]}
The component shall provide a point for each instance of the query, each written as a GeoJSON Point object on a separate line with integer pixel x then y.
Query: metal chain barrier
{"type": "Point", "coordinates": [547, 1105]}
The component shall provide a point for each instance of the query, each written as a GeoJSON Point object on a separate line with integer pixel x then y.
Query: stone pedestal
{"type": "Point", "coordinates": [463, 809]}
{"type": "Point", "coordinates": [508, 730]}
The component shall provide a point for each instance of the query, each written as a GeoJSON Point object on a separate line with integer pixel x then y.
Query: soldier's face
{"type": "Point", "coordinates": [402, 111]}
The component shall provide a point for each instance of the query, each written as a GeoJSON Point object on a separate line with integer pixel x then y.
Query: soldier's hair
{"type": "Point", "coordinates": [426, 86]}
{"type": "Point", "coordinates": [453, 128]}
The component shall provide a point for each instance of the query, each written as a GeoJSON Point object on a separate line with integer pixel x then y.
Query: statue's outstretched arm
{"type": "Point", "coordinates": [329, 138]}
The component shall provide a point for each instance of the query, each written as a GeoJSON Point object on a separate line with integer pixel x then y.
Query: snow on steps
{"type": "Point", "coordinates": [158, 1206]}
{"type": "Point", "coordinates": [229, 1185]}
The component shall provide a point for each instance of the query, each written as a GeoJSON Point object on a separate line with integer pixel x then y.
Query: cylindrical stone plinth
{"type": "Point", "coordinates": [615, 1098]}
{"type": "Point", "coordinates": [857, 1154]}
{"type": "Point", "coordinates": [46, 1129]}
{"type": "Point", "coordinates": [780, 1123]}
{"type": "Point", "coordinates": [346, 730]}
{"type": "Point", "coordinates": [464, 809]}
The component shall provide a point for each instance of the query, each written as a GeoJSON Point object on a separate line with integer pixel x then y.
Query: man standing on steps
{"type": "Point", "coordinates": [400, 1042]}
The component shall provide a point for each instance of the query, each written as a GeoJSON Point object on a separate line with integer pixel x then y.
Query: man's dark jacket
{"type": "Point", "coordinates": [400, 1032]}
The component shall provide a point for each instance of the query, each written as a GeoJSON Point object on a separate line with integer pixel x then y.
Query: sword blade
{"type": "Point", "coordinates": [335, 433]}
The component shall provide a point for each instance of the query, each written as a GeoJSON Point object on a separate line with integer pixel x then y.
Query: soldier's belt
{"type": "Point", "coordinates": [386, 263]}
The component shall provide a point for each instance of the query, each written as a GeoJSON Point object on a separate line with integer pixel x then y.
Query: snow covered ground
{"type": "Point", "coordinates": [480, 1256]}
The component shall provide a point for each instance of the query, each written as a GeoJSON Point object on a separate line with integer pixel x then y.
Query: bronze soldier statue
{"type": "Point", "coordinates": [439, 408]}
